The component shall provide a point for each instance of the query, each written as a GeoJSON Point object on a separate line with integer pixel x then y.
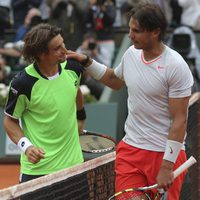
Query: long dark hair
{"type": "Point", "coordinates": [37, 40]}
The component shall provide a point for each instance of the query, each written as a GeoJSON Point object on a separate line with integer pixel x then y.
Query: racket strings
{"type": "Point", "coordinates": [96, 143]}
{"type": "Point", "coordinates": [132, 194]}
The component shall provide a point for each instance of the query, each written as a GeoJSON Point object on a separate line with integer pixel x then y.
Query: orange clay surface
{"type": "Point", "coordinates": [9, 175]}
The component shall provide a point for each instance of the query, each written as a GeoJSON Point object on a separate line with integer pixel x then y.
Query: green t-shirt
{"type": "Point", "coordinates": [47, 111]}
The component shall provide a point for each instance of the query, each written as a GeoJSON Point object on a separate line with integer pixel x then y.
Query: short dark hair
{"type": "Point", "coordinates": [37, 39]}
{"type": "Point", "coordinates": [149, 17]}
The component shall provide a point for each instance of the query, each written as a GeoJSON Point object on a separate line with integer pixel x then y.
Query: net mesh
{"type": "Point", "coordinates": [92, 180]}
{"type": "Point", "coordinates": [95, 179]}
{"type": "Point", "coordinates": [190, 186]}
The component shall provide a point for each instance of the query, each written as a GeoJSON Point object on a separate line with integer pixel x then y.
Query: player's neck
{"type": "Point", "coordinates": [48, 70]}
{"type": "Point", "coordinates": [153, 52]}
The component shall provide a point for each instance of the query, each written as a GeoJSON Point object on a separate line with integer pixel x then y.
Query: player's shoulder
{"type": "Point", "coordinates": [171, 54]}
{"type": "Point", "coordinates": [132, 51]}
{"type": "Point", "coordinates": [23, 80]}
{"type": "Point", "coordinates": [73, 65]}
{"type": "Point", "coordinates": [175, 62]}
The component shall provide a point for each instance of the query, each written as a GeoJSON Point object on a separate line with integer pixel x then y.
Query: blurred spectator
{"type": "Point", "coordinates": [5, 71]}
{"type": "Point", "coordinates": [118, 17]}
{"type": "Point", "coordinates": [95, 87]}
{"type": "Point", "coordinates": [100, 18]}
{"type": "Point", "coordinates": [176, 11]}
{"type": "Point", "coordinates": [82, 4]}
{"type": "Point", "coordinates": [45, 11]}
{"type": "Point", "coordinates": [184, 41]}
{"type": "Point", "coordinates": [32, 18]}
{"type": "Point", "coordinates": [129, 4]}
{"type": "Point", "coordinates": [191, 13]}
{"type": "Point", "coordinates": [91, 48]}
{"type": "Point", "coordinates": [5, 20]}
{"type": "Point", "coordinates": [20, 9]}
{"type": "Point", "coordinates": [125, 8]}
{"type": "Point", "coordinates": [166, 8]}
{"type": "Point", "coordinates": [68, 16]}
{"type": "Point", "coordinates": [14, 50]}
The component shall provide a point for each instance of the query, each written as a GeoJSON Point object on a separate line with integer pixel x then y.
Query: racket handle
{"type": "Point", "coordinates": [181, 169]}
{"type": "Point", "coordinates": [184, 166]}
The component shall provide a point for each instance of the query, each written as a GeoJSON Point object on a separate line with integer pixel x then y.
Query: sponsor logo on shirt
{"type": "Point", "coordinates": [76, 83]}
{"type": "Point", "coordinates": [159, 67]}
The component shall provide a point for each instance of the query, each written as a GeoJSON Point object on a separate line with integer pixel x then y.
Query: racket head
{"type": "Point", "coordinates": [93, 142]}
{"type": "Point", "coordinates": [151, 192]}
{"type": "Point", "coordinates": [137, 194]}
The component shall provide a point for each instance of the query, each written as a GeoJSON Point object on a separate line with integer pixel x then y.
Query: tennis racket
{"type": "Point", "coordinates": [92, 142]}
{"type": "Point", "coordinates": [145, 192]}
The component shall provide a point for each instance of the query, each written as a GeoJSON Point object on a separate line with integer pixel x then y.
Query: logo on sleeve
{"type": "Point", "coordinates": [14, 91]}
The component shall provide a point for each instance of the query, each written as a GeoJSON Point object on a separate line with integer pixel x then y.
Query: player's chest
{"type": "Point", "coordinates": [149, 80]}
{"type": "Point", "coordinates": [54, 93]}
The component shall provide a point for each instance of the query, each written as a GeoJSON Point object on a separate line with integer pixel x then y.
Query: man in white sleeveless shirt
{"type": "Point", "coordinates": [159, 86]}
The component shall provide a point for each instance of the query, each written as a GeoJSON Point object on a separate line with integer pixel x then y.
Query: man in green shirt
{"type": "Point", "coordinates": [43, 105]}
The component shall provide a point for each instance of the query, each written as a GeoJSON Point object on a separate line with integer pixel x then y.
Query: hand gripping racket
{"type": "Point", "coordinates": [145, 191]}
{"type": "Point", "coordinates": [92, 142]}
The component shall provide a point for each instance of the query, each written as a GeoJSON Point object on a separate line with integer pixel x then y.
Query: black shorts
{"type": "Point", "coordinates": [26, 177]}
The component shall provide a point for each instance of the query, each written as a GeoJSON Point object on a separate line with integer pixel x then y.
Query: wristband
{"type": "Point", "coordinates": [24, 143]}
{"type": "Point", "coordinates": [81, 114]}
{"type": "Point", "coordinates": [172, 150]}
{"type": "Point", "coordinates": [96, 70]}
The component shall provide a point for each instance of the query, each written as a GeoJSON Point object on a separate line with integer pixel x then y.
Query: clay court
{"type": "Point", "coordinates": [9, 175]}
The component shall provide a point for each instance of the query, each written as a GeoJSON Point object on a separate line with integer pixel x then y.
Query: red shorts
{"type": "Point", "coordinates": [136, 167]}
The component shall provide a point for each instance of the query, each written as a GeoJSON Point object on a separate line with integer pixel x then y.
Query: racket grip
{"type": "Point", "coordinates": [184, 166]}
{"type": "Point", "coordinates": [181, 169]}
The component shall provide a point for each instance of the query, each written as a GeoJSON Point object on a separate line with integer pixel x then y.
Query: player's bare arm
{"type": "Point", "coordinates": [107, 75]}
{"type": "Point", "coordinates": [12, 128]}
{"type": "Point", "coordinates": [178, 110]}
{"type": "Point", "coordinates": [111, 80]}
{"type": "Point", "coordinates": [15, 133]}
{"type": "Point", "coordinates": [81, 115]}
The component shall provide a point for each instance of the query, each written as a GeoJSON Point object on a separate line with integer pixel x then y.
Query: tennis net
{"type": "Point", "coordinates": [92, 180]}
{"type": "Point", "coordinates": [191, 186]}
{"type": "Point", "coordinates": [95, 179]}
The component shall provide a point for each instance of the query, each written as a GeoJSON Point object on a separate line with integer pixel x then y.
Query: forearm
{"type": "Point", "coordinates": [81, 114]}
{"type": "Point", "coordinates": [97, 70]}
{"type": "Point", "coordinates": [13, 129]}
{"type": "Point", "coordinates": [104, 74]}
{"type": "Point", "coordinates": [15, 133]}
{"type": "Point", "coordinates": [178, 129]}
{"type": "Point", "coordinates": [178, 109]}
{"type": "Point", "coordinates": [175, 140]}
{"type": "Point", "coordinates": [173, 147]}
{"type": "Point", "coordinates": [79, 100]}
